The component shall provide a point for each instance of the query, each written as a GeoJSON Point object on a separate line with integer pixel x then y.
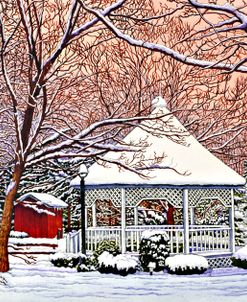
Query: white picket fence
{"type": "Point", "coordinates": [202, 239]}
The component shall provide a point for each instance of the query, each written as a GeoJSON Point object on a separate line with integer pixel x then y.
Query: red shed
{"type": "Point", "coordinates": [39, 215]}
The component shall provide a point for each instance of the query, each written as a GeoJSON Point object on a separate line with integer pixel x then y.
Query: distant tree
{"type": "Point", "coordinates": [240, 201]}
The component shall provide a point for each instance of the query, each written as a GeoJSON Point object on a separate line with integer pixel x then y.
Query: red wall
{"type": "Point", "coordinates": [37, 225]}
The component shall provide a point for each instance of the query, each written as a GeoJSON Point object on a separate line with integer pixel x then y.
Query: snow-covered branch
{"type": "Point", "coordinates": [68, 143]}
{"type": "Point", "coordinates": [162, 48]}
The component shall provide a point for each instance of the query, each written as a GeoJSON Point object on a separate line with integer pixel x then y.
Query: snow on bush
{"type": "Point", "coordinates": [105, 246]}
{"type": "Point", "coordinates": [239, 258]}
{"type": "Point", "coordinates": [16, 234]}
{"type": "Point", "coordinates": [66, 260]}
{"type": "Point", "coordinates": [154, 247]}
{"type": "Point", "coordinates": [241, 253]}
{"type": "Point", "coordinates": [79, 261]}
{"type": "Point", "coordinates": [151, 234]}
{"type": "Point", "coordinates": [120, 264]}
{"type": "Point", "coordinates": [186, 264]}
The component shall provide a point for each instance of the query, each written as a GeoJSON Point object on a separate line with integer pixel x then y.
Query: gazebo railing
{"type": "Point", "coordinates": [173, 232]}
{"type": "Point", "coordinates": [209, 239]}
{"type": "Point", "coordinates": [94, 235]}
{"type": "Point", "coordinates": [202, 239]}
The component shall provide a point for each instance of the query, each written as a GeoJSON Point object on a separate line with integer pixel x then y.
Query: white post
{"type": "Point", "coordinates": [136, 215]}
{"type": "Point", "coordinates": [192, 216]}
{"type": "Point", "coordinates": [231, 222]}
{"type": "Point", "coordinates": [94, 214]}
{"type": "Point", "coordinates": [86, 217]}
{"type": "Point", "coordinates": [123, 222]}
{"type": "Point", "coordinates": [186, 220]}
{"type": "Point", "coordinates": [68, 240]}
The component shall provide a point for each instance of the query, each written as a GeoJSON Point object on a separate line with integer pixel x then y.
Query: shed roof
{"type": "Point", "coordinates": [172, 156]}
{"type": "Point", "coordinates": [45, 199]}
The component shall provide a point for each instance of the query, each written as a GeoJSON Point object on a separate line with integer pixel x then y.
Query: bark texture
{"type": "Point", "coordinates": [6, 219]}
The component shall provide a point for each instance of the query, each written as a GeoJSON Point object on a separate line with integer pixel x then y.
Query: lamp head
{"type": "Point", "coordinates": [83, 171]}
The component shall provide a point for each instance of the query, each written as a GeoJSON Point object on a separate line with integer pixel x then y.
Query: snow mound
{"type": "Point", "coordinates": [120, 264]}
{"type": "Point", "coordinates": [16, 234]}
{"type": "Point", "coordinates": [153, 235]}
{"type": "Point", "coordinates": [241, 253]}
{"type": "Point", "coordinates": [106, 259]}
{"type": "Point", "coordinates": [68, 256]}
{"type": "Point", "coordinates": [186, 263]}
{"type": "Point", "coordinates": [31, 240]}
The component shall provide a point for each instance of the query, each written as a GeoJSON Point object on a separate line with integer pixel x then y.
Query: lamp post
{"type": "Point", "coordinates": [83, 172]}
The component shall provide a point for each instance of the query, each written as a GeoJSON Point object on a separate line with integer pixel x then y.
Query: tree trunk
{"type": "Point", "coordinates": [6, 218]}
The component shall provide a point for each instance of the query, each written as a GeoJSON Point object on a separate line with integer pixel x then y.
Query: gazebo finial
{"type": "Point", "coordinates": [159, 102]}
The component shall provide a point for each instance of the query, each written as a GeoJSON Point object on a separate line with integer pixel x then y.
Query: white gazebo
{"type": "Point", "coordinates": [180, 174]}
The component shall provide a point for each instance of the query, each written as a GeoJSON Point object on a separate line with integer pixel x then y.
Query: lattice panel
{"type": "Point", "coordinates": [219, 262]}
{"type": "Point", "coordinates": [173, 196]}
{"type": "Point", "coordinates": [224, 195]}
{"type": "Point", "coordinates": [113, 194]}
{"type": "Point", "coordinates": [135, 195]}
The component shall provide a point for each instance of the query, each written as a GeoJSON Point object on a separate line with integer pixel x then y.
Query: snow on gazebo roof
{"type": "Point", "coordinates": [45, 199]}
{"type": "Point", "coordinates": [172, 156]}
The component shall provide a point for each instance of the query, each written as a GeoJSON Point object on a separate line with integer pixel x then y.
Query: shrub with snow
{"type": "Point", "coordinates": [154, 247]}
{"type": "Point", "coordinates": [66, 259]}
{"type": "Point", "coordinates": [120, 264]}
{"type": "Point", "coordinates": [79, 261]}
{"type": "Point", "coordinates": [105, 246]}
{"type": "Point", "coordinates": [239, 258]}
{"type": "Point", "coordinates": [186, 264]}
{"type": "Point", "coordinates": [85, 265]}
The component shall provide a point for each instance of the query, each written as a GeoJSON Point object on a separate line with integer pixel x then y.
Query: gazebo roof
{"type": "Point", "coordinates": [170, 154]}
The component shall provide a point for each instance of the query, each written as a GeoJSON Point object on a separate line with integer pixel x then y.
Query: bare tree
{"type": "Point", "coordinates": [40, 72]}
{"type": "Point", "coordinates": [37, 61]}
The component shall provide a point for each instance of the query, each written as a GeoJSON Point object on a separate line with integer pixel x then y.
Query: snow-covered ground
{"type": "Point", "coordinates": [43, 282]}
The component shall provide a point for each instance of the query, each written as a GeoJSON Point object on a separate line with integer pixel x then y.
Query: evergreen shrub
{"type": "Point", "coordinates": [239, 258]}
{"type": "Point", "coordinates": [154, 247]}
{"type": "Point", "coordinates": [239, 262]}
{"type": "Point", "coordinates": [79, 261]}
{"type": "Point", "coordinates": [105, 246]}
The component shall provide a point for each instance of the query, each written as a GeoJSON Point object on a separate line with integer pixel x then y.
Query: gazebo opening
{"type": "Point", "coordinates": [211, 212]}
{"type": "Point", "coordinates": [156, 212]}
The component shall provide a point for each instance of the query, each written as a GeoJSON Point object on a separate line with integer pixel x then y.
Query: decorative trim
{"type": "Point", "coordinates": [219, 262]}
{"type": "Point", "coordinates": [134, 196]}
{"type": "Point", "coordinates": [174, 196]}
{"type": "Point", "coordinates": [100, 194]}
{"type": "Point", "coordinates": [223, 195]}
